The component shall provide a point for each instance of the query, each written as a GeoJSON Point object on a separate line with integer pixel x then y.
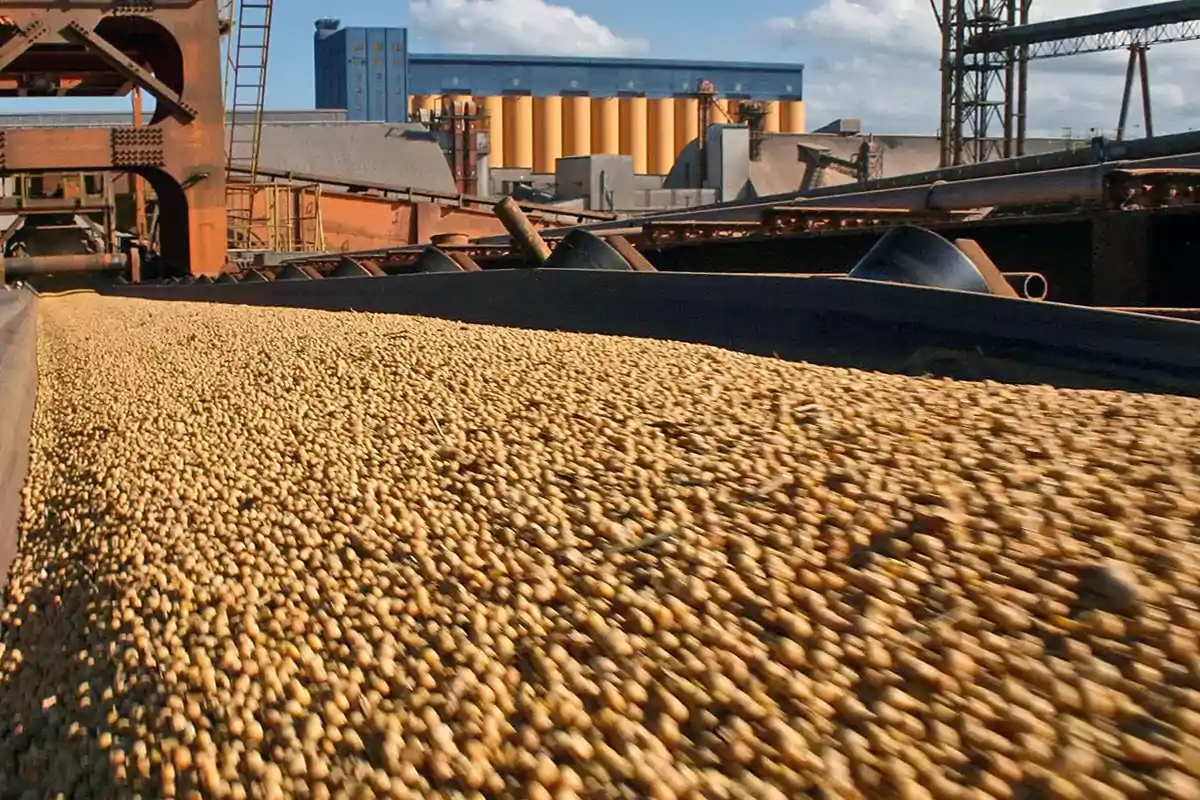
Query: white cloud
{"type": "Point", "coordinates": [517, 26]}
{"type": "Point", "coordinates": [878, 60]}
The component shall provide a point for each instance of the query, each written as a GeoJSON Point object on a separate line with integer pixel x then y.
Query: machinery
{"type": "Point", "coordinates": [986, 49]}
{"type": "Point", "coordinates": [459, 125]}
{"type": "Point", "coordinates": [168, 50]}
{"type": "Point", "coordinates": [866, 164]}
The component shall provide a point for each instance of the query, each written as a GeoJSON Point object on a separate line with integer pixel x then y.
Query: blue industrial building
{"type": "Point", "coordinates": [370, 73]}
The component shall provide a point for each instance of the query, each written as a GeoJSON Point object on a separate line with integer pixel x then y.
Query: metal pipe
{"type": "Point", "coordinates": [523, 234]}
{"type": "Point", "coordinates": [1029, 285]}
{"type": "Point", "coordinates": [81, 262]}
{"type": "Point", "coordinates": [1078, 184]}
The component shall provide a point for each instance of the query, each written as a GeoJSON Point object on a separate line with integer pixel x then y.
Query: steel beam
{"type": "Point", "coordinates": [1141, 18]}
{"type": "Point", "coordinates": [171, 48]}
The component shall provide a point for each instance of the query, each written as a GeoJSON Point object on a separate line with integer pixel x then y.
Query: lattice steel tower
{"type": "Point", "coordinates": [983, 94]}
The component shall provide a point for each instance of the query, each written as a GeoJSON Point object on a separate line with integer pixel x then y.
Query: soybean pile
{"type": "Point", "coordinates": [271, 553]}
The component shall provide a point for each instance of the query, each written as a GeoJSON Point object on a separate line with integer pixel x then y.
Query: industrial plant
{"type": "Point", "coordinates": [545, 427]}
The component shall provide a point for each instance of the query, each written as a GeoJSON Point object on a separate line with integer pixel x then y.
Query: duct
{"type": "Point", "coordinates": [1078, 184]}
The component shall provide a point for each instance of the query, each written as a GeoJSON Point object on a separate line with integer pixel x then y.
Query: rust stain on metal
{"type": "Point", "coordinates": [168, 48]}
{"type": "Point", "coordinates": [995, 281]}
{"type": "Point", "coordinates": [1136, 189]}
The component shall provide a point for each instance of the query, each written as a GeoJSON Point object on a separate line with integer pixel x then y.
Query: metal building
{"type": "Point", "coordinates": [540, 108]}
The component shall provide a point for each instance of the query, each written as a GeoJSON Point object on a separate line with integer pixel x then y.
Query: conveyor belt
{"type": "Point", "coordinates": [842, 322]}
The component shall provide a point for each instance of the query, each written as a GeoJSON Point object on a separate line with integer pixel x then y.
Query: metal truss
{"type": "Point", "coordinates": [1117, 40]}
{"type": "Point", "coordinates": [983, 96]}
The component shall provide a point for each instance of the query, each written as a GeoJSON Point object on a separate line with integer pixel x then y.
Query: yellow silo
{"type": "Point", "coordinates": [687, 122]}
{"type": "Point", "coordinates": [771, 120]}
{"type": "Point", "coordinates": [635, 133]}
{"type": "Point", "coordinates": [518, 131]}
{"type": "Point", "coordinates": [662, 135]}
{"type": "Point", "coordinates": [723, 113]}
{"type": "Point", "coordinates": [792, 116]}
{"type": "Point", "coordinates": [606, 125]}
{"type": "Point", "coordinates": [547, 133]}
{"type": "Point", "coordinates": [493, 106]}
{"type": "Point", "coordinates": [577, 125]}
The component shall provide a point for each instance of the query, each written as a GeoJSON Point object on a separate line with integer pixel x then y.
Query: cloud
{"type": "Point", "coordinates": [900, 26]}
{"type": "Point", "coordinates": [878, 60]}
{"type": "Point", "coordinates": [517, 26]}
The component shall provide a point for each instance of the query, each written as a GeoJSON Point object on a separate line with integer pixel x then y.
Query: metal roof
{"type": "Point", "coordinates": [608, 62]}
{"type": "Point", "coordinates": [370, 70]}
{"type": "Point", "coordinates": [397, 154]}
{"type": "Point", "coordinates": [320, 142]}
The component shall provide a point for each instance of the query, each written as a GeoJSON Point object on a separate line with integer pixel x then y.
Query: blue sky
{"type": "Point", "coordinates": [701, 29]}
{"type": "Point", "coordinates": [872, 59]}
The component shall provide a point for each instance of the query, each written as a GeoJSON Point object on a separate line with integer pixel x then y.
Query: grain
{"type": "Point", "coordinates": [275, 553]}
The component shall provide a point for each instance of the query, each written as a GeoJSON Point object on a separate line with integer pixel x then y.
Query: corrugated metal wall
{"type": "Point", "coordinates": [543, 76]}
{"type": "Point", "coordinates": [329, 62]}
{"type": "Point", "coordinates": [363, 70]}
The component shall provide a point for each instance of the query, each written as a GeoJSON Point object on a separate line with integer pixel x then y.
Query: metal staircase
{"type": "Point", "coordinates": [246, 52]}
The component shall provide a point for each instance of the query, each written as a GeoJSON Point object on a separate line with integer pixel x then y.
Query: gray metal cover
{"type": "Point", "coordinates": [912, 255]}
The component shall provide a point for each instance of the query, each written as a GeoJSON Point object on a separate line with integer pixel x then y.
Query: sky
{"type": "Point", "coordinates": [876, 60]}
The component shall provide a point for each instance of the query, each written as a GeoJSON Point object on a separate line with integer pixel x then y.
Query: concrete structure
{"type": "Point", "coordinates": [733, 176]}
{"type": "Point", "coordinates": [730, 174]}
{"type": "Point", "coordinates": [601, 105]}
